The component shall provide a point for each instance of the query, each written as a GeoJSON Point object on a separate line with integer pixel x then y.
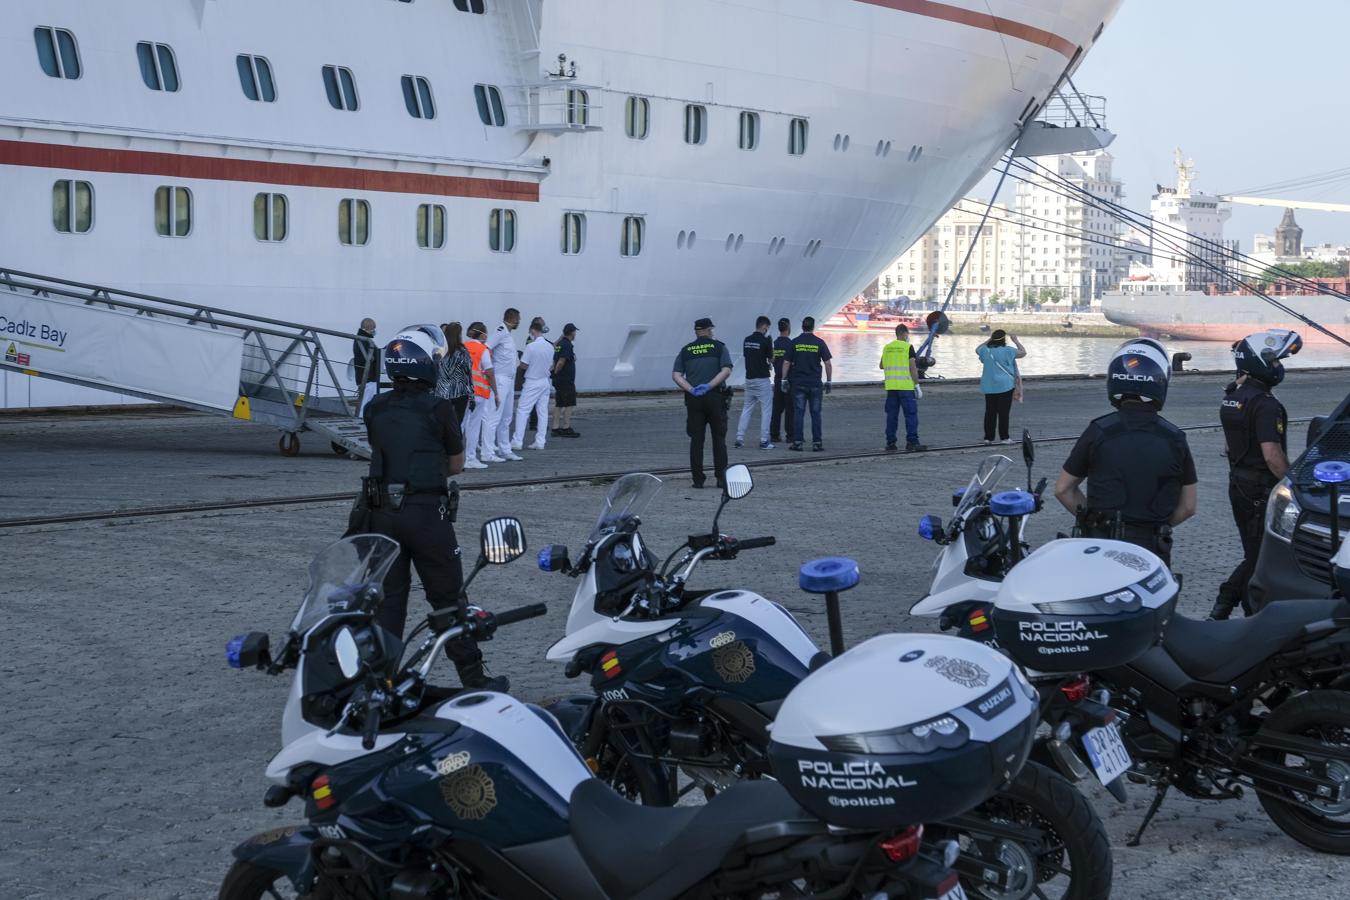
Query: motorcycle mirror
{"type": "Point", "coordinates": [738, 482]}
{"type": "Point", "coordinates": [248, 650]}
{"type": "Point", "coordinates": [503, 540]}
{"type": "Point", "coordinates": [348, 654]}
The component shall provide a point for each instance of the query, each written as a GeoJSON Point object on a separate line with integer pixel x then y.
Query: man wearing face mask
{"type": "Point", "coordinates": [505, 359]}
{"type": "Point", "coordinates": [537, 363]}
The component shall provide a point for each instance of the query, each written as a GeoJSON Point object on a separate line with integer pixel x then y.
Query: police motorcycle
{"type": "Point", "coordinates": [1212, 709]}
{"type": "Point", "coordinates": [411, 791]}
{"type": "Point", "coordinates": [689, 686]}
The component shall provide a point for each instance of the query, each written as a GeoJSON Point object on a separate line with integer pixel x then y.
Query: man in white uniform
{"type": "Point", "coordinates": [497, 426]}
{"type": "Point", "coordinates": [537, 361]}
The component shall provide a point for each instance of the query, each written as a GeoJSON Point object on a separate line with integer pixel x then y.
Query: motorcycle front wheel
{"type": "Point", "coordinates": [1044, 833]}
{"type": "Point", "coordinates": [1323, 825]}
{"type": "Point", "coordinates": [245, 881]}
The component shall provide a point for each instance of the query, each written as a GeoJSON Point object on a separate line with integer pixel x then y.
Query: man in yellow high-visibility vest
{"type": "Point", "coordinates": [902, 391]}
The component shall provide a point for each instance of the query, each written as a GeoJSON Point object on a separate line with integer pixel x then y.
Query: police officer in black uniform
{"type": "Point", "coordinates": [1254, 431]}
{"type": "Point", "coordinates": [701, 371]}
{"type": "Point", "coordinates": [1140, 474]}
{"type": "Point", "coordinates": [416, 446]}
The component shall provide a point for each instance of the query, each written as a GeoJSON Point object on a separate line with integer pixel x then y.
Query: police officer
{"type": "Point", "coordinates": [416, 446]}
{"type": "Point", "coordinates": [1140, 474]}
{"type": "Point", "coordinates": [1254, 431]}
{"type": "Point", "coordinates": [701, 370]}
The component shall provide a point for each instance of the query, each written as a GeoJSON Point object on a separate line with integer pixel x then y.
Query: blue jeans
{"type": "Point", "coordinates": [896, 401]}
{"type": "Point", "coordinates": [804, 397]}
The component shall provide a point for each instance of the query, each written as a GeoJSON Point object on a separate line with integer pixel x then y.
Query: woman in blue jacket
{"type": "Point", "coordinates": [1000, 382]}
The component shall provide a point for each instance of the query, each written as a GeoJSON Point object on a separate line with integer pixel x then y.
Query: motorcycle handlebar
{"type": "Point", "coordinates": [521, 613]}
{"type": "Point", "coordinates": [374, 712]}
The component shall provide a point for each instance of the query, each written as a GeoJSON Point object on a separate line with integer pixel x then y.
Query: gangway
{"type": "Point", "coordinates": [250, 368]}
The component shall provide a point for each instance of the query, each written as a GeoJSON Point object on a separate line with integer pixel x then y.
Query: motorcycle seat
{"type": "Point", "coordinates": [643, 852]}
{"type": "Point", "coordinates": [1222, 651]}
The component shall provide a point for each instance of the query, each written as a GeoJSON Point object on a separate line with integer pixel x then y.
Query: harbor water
{"type": "Point", "coordinates": [857, 356]}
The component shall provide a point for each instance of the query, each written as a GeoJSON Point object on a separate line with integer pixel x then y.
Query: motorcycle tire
{"type": "Point", "coordinates": [246, 881]}
{"type": "Point", "coordinates": [1068, 850]}
{"type": "Point", "coordinates": [1321, 826]}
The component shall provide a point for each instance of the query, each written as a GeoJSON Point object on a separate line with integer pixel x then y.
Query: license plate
{"type": "Point", "coordinates": [1107, 753]}
{"type": "Point", "coordinates": [956, 893]}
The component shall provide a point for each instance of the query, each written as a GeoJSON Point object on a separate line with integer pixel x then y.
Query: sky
{"type": "Point", "coordinates": [1253, 92]}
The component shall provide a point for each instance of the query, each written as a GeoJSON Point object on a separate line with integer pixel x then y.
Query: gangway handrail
{"type": "Point", "coordinates": [7, 274]}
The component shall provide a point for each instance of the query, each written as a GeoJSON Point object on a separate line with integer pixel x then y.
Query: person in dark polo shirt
{"type": "Point", "coordinates": [808, 374]}
{"type": "Point", "coordinates": [564, 383]}
{"type": "Point", "coordinates": [701, 370]}
{"type": "Point", "coordinates": [782, 403]}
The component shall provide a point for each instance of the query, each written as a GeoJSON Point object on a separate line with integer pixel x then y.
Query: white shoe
{"type": "Point", "coordinates": [474, 464]}
{"type": "Point", "coordinates": [517, 445]}
{"type": "Point", "coordinates": [1006, 441]}
{"type": "Point", "coordinates": [536, 446]}
{"type": "Point", "coordinates": [512, 457]}
{"type": "Point", "coordinates": [491, 459]}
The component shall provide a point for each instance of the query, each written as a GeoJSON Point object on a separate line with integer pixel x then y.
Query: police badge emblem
{"type": "Point", "coordinates": [470, 793]}
{"type": "Point", "coordinates": [734, 662]}
{"type": "Point", "coordinates": [962, 671]}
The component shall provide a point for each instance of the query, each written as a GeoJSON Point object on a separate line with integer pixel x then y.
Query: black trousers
{"type": "Point", "coordinates": [1247, 495]}
{"type": "Point", "coordinates": [429, 543]}
{"type": "Point", "coordinates": [997, 410]}
{"type": "Point", "coordinates": [461, 405]}
{"type": "Point", "coordinates": [782, 413]}
{"type": "Point", "coordinates": [705, 413]}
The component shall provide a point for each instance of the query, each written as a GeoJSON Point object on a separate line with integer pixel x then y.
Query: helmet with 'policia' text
{"type": "Point", "coordinates": [1138, 368]}
{"type": "Point", "coordinates": [1258, 355]}
{"type": "Point", "coordinates": [415, 354]}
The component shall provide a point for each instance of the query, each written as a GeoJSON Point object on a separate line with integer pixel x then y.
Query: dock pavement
{"type": "Point", "coordinates": [133, 758]}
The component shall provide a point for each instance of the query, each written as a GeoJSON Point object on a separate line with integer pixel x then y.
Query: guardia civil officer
{"type": "Point", "coordinates": [1140, 475]}
{"type": "Point", "coordinates": [416, 446]}
{"type": "Point", "coordinates": [701, 370]}
{"type": "Point", "coordinates": [1254, 431]}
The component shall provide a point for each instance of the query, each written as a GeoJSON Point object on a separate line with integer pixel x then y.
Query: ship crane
{"type": "Point", "coordinates": [1287, 204]}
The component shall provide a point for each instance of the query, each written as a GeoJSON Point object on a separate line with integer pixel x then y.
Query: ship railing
{"type": "Point", "coordinates": [1067, 108]}
{"type": "Point", "coordinates": [559, 105]}
{"type": "Point", "coordinates": [287, 379]}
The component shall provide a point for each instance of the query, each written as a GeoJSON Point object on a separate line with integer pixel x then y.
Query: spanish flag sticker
{"type": "Point", "coordinates": [979, 621]}
{"type": "Point", "coordinates": [609, 664]}
{"type": "Point", "coordinates": [322, 793]}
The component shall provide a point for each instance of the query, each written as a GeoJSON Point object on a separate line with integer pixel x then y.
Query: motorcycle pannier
{"type": "Point", "coordinates": [1082, 604]}
{"type": "Point", "coordinates": [903, 729]}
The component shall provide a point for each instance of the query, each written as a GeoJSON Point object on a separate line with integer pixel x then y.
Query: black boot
{"type": "Point", "coordinates": [474, 677]}
{"type": "Point", "coordinates": [1221, 610]}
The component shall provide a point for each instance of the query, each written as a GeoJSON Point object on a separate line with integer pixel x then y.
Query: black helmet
{"type": "Point", "coordinates": [1259, 354]}
{"type": "Point", "coordinates": [415, 354]}
{"type": "Point", "coordinates": [1138, 368]}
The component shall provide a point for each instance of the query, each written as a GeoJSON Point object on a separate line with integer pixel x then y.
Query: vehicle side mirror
{"type": "Point", "coordinates": [248, 651]}
{"type": "Point", "coordinates": [553, 558]}
{"type": "Point", "coordinates": [503, 540]}
{"type": "Point", "coordinates": [738, 481]}
{"type": "Point", "coordinates": [1315, 428]}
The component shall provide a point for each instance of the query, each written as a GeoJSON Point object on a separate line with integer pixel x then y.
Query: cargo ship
{"type": "Point", "coordinates": [1205, 316]}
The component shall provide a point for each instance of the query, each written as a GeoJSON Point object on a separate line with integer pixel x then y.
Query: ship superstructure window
{"type": "Point", "coordinates": [469, 6]}
{"type": "Point", "coordinates": [502, 230]}
{"type": "Point", "coordinates": [431, 226]}
{"type": "Point", "coordinates": [797, 137]}
{"type": "Point", "coordinates": [637, 118]}
{"type": "Point", "coordinates": [159, 69]}
{"type": "Point", "coordinates": [73, 206]}
{"type": "Point", "coordinates": [255, 77]}
{"type": "Point", "coordinates": [57, 53]}
{"type": "Point", "coordinates": [340, 84]}
{"type": "Point", "coordinates": [573, 233]}
{"type": "Point", "coordinates": [417, 97]}
{"type": "Point", "coordinates": [354, 222]}
{"type": "Point", "coordinates": [695, 123]}
{"type": "Point", "coordinates": [490, 109]}
{"type": "Point", "coordinates": [173, 211]}
{"type": "Point", "coordinates": [634, 231]}
{"type": "Point", "coordinates": [578, 107]}
{"type": "Point", "coordinates": [270, 217]}
{"type": "Point", "coordinates": [749, 130]}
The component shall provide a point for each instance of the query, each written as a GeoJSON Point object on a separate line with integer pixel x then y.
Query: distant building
{"type": "Point", "coordinates": [925, 271]}
{"type": "Point", "coordinates": [1328, 253]}
{"type": "Point", "coordinates": [1289, 236]}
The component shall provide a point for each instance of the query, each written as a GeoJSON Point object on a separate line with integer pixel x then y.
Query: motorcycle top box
{"type": "Point", "coordinates": [1083, 604]}
{"type": "Point", "coordinates": [903, 729]}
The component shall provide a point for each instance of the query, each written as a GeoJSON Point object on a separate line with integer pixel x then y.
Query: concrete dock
{"type": "Point", "coordinates": [133, 757]}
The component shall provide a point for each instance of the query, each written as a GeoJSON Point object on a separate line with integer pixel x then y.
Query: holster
{"type": "Point", "coordinates": [397, 494]}
{"type": "Point", "coordinates": [452, 499]}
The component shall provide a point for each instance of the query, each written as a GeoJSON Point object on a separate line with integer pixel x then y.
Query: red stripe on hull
{"type": "Point", "coordinates": [177, 165]}
{"type": "Point", "coordinates": [1236, 331]}
{"type": "Point", "coordinates": [986, 21]}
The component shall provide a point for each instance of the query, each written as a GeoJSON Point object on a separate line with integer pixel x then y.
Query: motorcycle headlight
{"type": "Point", "coordinates": [1282, 512]}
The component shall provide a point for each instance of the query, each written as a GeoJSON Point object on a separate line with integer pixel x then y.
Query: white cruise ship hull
{"type": "Point", "coordinates": [908, 102]}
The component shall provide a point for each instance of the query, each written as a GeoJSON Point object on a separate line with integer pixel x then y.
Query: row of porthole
{"type": "Point", "coordinates": [685, 241]}
{"type": "Point", "coordinates": [883, 148]}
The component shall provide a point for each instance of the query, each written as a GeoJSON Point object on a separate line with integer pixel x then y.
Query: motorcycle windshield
{"type": "Point", "coordinates": [986, 478]}
{"type": "Point", "coordinates": [339, 571]}
{"type": "Point", "coordinates": [627, 497]}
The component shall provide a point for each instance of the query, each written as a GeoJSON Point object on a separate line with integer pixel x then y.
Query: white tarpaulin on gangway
{"type": "Point", "coordinates": [121, 351]}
